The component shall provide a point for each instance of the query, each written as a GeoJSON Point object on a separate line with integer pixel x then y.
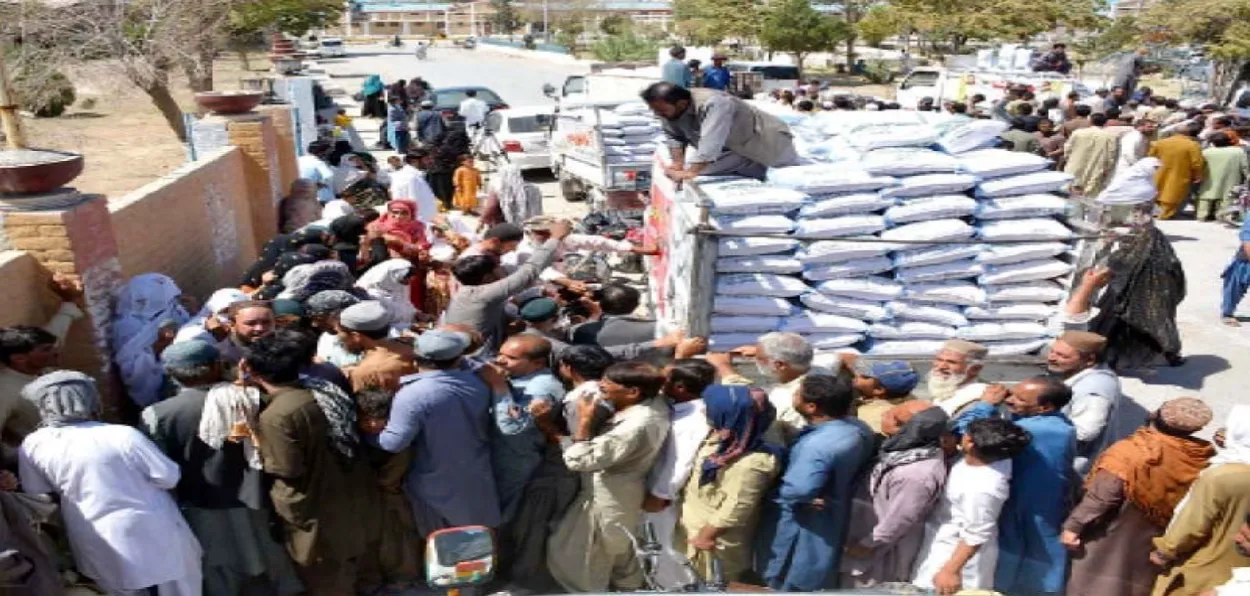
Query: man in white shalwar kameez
{"type": "Point", "coordinates": [123, 526]}
{"type": "Point", "coordinates": [591, 550]}
{"type": "Point", "coordinates": [684, 385]}
{"type": "Point", "coordinates": [953, 382]}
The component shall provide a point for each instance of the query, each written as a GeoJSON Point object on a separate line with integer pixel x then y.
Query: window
{"type": "Point", "coordinates": [778, 73]}
{"type": "Point", "coordinates": [535, 123]}
{"type": "Point", "coordinates": [922, 78]}
{"type": "Point", "coordinates": [452, 98]}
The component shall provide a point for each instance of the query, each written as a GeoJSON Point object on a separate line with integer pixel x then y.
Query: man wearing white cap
{"type": "Point", "coordinates": [953, 384]}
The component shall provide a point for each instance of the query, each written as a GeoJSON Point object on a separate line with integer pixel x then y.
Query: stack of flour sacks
{"type": "Point", "coordinates": [923, 237]}
{"type": "Point", "coordinates": [629, 131]}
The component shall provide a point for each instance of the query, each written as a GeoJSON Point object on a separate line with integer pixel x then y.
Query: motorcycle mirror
{"type": "Point", "coordinates": [549, 90]}
{"type": "Point", "coordinates": [458, 557]}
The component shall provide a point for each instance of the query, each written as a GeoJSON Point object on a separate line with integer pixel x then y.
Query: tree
{"type": "Point", "coordinates": [708, 22]}
{"type": "Point", "coordinates": [851, 12]}
{"type": "Point", "coordinates": [794, 27]}
{"type": "Point", "coordinates": [1220, 27]}
{"type": "Point", "coordinates": [625, 47]}
{"type": "Point", "coordinates": [506, 19]}
{"type": "Point", "coordinates": [880, 23]}
{"type": "Point", "coordinates": [250, 20]}
{"type": "Point", "coordinates": [956, 22]}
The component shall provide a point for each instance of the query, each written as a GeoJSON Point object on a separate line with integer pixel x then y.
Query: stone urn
{"type": "Point", "coordinates": [36, 171]}
{"type": "Point", "coordinates": [229, 102]}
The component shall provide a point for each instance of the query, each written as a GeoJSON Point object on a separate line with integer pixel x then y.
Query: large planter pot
{"type": "Point", "coordinates": [33, 171]}
{"type": "Point", "coordinates": [228, 102]}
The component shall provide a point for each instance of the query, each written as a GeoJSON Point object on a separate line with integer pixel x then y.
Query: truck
{"type": "Point", "coordinates": [950, 84]}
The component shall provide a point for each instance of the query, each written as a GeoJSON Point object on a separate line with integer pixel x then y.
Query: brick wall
{"type": "Point", "coordinates": [23, 284]}
{"type": "Point", "coordinates": [193, 224]}
{"type": "Point", "coordinates": [283, 128]}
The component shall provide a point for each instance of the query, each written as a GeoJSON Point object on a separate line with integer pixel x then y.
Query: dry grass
{"type": "Point", "coordinates": [125, 141]}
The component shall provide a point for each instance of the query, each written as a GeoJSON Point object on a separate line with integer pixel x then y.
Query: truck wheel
{"type": "Point", "coordinates": [571, 190]}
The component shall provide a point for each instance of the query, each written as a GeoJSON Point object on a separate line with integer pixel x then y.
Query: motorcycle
{"type": "Point", "coordinates": [421, 51]}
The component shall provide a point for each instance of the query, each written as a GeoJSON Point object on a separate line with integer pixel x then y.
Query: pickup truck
{"type": "Point", "coordinates": [581, 166]}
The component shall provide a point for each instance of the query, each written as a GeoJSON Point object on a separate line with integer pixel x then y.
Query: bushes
{"type": "Point", "coordinates": [624, 47]}
{"type": "Point", "coordinates": [44, 94]}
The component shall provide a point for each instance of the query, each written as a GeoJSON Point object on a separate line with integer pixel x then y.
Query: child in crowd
{"type": "Point", "coordinates": [467, 181]}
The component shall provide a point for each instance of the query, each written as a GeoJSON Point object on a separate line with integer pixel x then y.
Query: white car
{"type": "Point", "coordinates": [522, 133]}
{"type": "Point", "coordinates": [332, 47]}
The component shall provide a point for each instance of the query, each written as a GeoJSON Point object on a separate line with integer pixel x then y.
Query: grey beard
{"type": "Point", "coordinates": [942, 387]}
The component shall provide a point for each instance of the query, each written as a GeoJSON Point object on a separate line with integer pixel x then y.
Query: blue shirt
{"type": "Point", "coordinates": [518, 450]}
{"type": "Point", "coordinates": [444, 418]}
{"type": "Point", "coordinates": [676, 72]}
{"type": "Point", "coordinates": [313, 168]}
{"type": "Point", "coordinates": [716, 77]}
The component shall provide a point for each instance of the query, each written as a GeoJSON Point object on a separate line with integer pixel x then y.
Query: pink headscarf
{"type": "Point", "coordinates": [413, 229]}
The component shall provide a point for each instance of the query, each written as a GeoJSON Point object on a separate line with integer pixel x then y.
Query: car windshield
{"type": "Point", "coordinates": [778, 72]}
{"type": "Point", "coordinates": [331, 43]}
{"type": "Point", "coordinates": [535, 123]}
{"type": "Point", "coordinates": [453, 98]}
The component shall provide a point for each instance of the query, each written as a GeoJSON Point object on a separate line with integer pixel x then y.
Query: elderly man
{"type": "Point", "coordinates": [785, 358]}
{"type": "Point", "coordinates": [1075, 357]}
{"type": "Point", "coordinates": [953, 384]}
{"type": "Point", "coordinates": [729, 136]}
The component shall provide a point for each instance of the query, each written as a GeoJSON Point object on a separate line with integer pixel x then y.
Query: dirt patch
{"type": "Point", "coordinates": [123, 138]}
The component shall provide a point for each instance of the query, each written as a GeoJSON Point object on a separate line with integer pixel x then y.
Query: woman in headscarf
{"type": "Point", "coordinates": [347, 232]}
{"type": "Point", "coordinates": [388, 282]}
{"type": "Point", "coordinates": [404, 237]}
{"type": "Point", "coordinates": [1129, 498]}
{"type": "Point", "coordinates": [300, 207]}
{"type": "Point", "coordinates": [303, 281]}
{"type": "Point", "coordinates": [146, 318]}
{"type": "Point", "coordinates": [733, 471]}
{"type": "Point", "coordinates": [446, 159]}
{"type": "Point", "coordinates": [1197, 552]}
{"type": "Point", "coordinates": [123, 526]}
{"type": "Point", "coordinates": [904, 486]}
{"type": "Point", "coordinates": [366, 191]}
{"type": "Point", "coordinates": [373, 104]}
{"type": "Point", "coordinates": [273, 280]}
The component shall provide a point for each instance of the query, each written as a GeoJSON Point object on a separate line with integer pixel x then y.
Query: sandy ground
{"type": "Point", "coordinates": [123, 137]}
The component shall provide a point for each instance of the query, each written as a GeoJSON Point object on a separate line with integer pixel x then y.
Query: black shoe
{"type": "Point", "coordinates": [1175, 360]}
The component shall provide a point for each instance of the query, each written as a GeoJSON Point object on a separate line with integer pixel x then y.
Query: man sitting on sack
{"type": "Point", "coordinates": [729, 136]}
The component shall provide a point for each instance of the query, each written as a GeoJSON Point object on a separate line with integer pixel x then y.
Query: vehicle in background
{"type": "Point", "coordinates": [607, 83]}
{"type": "Point", "coordinates": [332, 47]}
{"type": "Point", "coordinates": [447, 102]}
{"type": "Point", "coordinates": [580, 164]}
{"type": "Point", "coordinates": [776, 76]}
{"type": "Point", "coordinates": [523, 134]}
{"type": "Point", "coordinates": [942, 84]}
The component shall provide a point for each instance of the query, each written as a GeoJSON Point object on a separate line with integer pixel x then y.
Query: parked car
{"type": "Point", "coordinates": [447, 101]}
{"type": "Point", "coordinates": [332, 47]}
{"type": "Point", "coordinates": [522, 132]}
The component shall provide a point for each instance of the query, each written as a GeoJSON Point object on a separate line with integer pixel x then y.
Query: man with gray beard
{"type": "Point", "coordinates": [952, 382]}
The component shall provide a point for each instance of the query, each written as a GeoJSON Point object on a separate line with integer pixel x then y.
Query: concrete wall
{"type": "Point", "coordinates": [23, 284]}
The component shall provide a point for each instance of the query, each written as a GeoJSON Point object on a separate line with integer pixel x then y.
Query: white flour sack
{"type": "Point", "coordinates": [829, 341]}
{"type": "Point", "coordinates": [852, 204]}
{"type": "Point", "coordinates": [756, 200]}
{"type": "Point", "coordinates": [964, 269]}
{"type": "Point", "coordinates": [995, 163]}
{"type": "Point", "coordinates": [1021, 272]}
{"type": "Point", "coordinates": [754, 224]}
{"type": "Point", "coordinates": [1033, 205]}
{"type": "Point", "coordinates": [1023, 184]}
{"type": "Point", "coordinates": [930, 208]}
{"type": "Point", "coordinates": [931, 184]}
{"type": "Point", "coordinates": [910, 330]}
{"type": "Point", "coordinates": [759, 264]}
{"type": "Point", "coordinates": [761, 306]}
{"type": "Point", "coordinates": [1035, 229]}
{"type": "Point", "coordinates": [723, 342]}
{"type": "Point", "coordinates": [1002, 331]}
{"type": "Point", "coordinates": [1033, 291]}
{"type": "Point", "coordinates": [824, 179]}
{"type": "Point", "coordinates": [840, 251]}
{"type": "Point", "coordinates": [839, 227]}
{"type": "Point", "coordinates": [856, 268]}
{"type": "Point", "coordinates": [847, 307]}
{"type": "Point", "coordinates": [760, 284]}
{"type": "Point", "coordinates": [737, 324]}
{"type": "Point", "coordinates": [822, 322]}
{"type": "Point", "coordinates": [745, 247]}
{"type": "Point", "coordinates": [943, 253]}
{"type": "Point", "coordinates": [1017, 347]}
{"type": "Point", "coordinates": [1004, 254]}
{"type": "Point", "coordinates": [878, 289]}
{"type": "Point", "coordinates": [867, 137]}
{"type": "Point", "coordinates": [929, 313]}
{"type": "Point", "coordinates": [1024, 311]}
{"type": "Point", "coordinates": [930, 231]}
{"type": "Point", "coordinates": [969, 134]}
{"type": "Point", "coordinates": [959, 293]}
{"type": "Point", "coordinates": [907, 161]}
{"type": "Point", "coordinates": [900, 348]}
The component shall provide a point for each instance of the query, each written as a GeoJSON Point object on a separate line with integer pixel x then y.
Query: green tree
{"type": "Point", "coordinates": [851, 13]}
{"type": "Point", "coordinates": [249, 21]}
{"type": "Point", "coordinates": [794, 27]}
{"type": "Point", "coordinates": [615, 24]}
{"type": "Point", "coordinates": [625, 47]}
{"type": "Point", "coordinates": [880, 23]}
{"type": "Point", "coordinates": [1220, 27]}
{"type": "Point", "coordinates": [708, 22]}
{"type": "Point", "coordinates": [506, 18]}
{"type": "Point", "coordinates": [956, 22]}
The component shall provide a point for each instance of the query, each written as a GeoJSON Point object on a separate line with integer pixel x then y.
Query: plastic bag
{"type": "Point", "coordinates": [910, 330]}
{"type": "Point", "coordinates": [754, 224]}
{"type": "Point", "coordinates": [852, 204]}
{"type": "Point", "coordinates": [965, 269]}
{"type": "Point", "coordinates": [1033, 291]}
{"type": "Point", "coordinates": [759, 264]}
{"type": "Point", "coordinates": [1002, 331]}
{"type": "Point", "coordinates": [935, 255]}
{"type": "Point", "coordinates": [821, 322]}
{"type": "Point", "coordinates": [840, 251]}
{"type": "Point", "coordinates": [869, 136]}
{"type": "Point", "coordinates": [838, 227]}
{"type": "Point", "coordinates": [761, 306]}
{"type": "Point", "coordinates": [931, 184]}
{"type": "Point", "coordinates": [855, 268]}
{"type": "Point", "coordinates": [743, 324]}
{"type": "Point", "coordinates": [907, 161]}
{"type": "Point", "coordinates": [1024, 311]}
{"type": "Point", "coordinates": [829, 341]}
{"type": "Point", "coordinates": [823, 179]}
{"type": "Point", "coordinates": [930, 208]}
{"type": "Point", "coordinates": [1132, 186]}
{"type": "Point", "coordinates": [930, 231]}
{"type": "Point", "coordinates": [930, 313]}
{"type": "Point", "coordinates": [967, 134]}
{"type": "Point", "coordinates": [1034, 205]}
{"type": "Point", "coordinates": [878, 289]}
{"type": "Point", "coordinates": [1023, 184]}
{"type": "Point", "coordinates": [996, 163]}
{"type": "Point", "coordinates": [756, 200]}
{"type": "Point", "coordinates": [961, 293]}
{"type": "Point", "coordinates": [760, 284]}
{"type": "Point", "coordinates": [904, 348]}
{"type": "Point", "coordinates": [1037, 229]}
{"type": "Point", "coordinates": [1021, 272]}
{"type": "Point", "coordinates": [847, 307]}
{"type": "Point", "coordinates": [745, 247]}
{"type": "Point", "coordinates": [1018, 347]}
{"type": "Point", "coordinates": [1003, 254]}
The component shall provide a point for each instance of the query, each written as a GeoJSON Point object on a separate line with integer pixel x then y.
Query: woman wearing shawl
{"type": "Point", "coordinates": [904, 486]}
{"type": "Point", "coordinates": [301, 282]}
{"type": "Point", "coordinates": [124, 528]}
{"type": "Point", "coordinates": [273, 280]}
{"type": "Point", "coordinates": [389, 283]}
{"type": "Point", "coordinates": [446, 158]}
{"type": "Point", "coordinates": [1129, 498]}
{"type": "Point", "coordinates": [1197, 551]}
{"type": "Point", "coordinates": [733, 472]}
{"type": "Point", "coordinates": [404, 237]}
{"type": "Point", "coordinates": [274, 249]}
{"type": "Point", "coordinates": [146, 318]}
{"type": "Point", "coordinates": [373, 104]}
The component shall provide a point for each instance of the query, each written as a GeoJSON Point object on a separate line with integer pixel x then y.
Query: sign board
{"type": "Point", "coordinates": [673, 280]}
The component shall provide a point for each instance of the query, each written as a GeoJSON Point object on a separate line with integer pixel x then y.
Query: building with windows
{"type": "Point", "coordinates": [387, 18]}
